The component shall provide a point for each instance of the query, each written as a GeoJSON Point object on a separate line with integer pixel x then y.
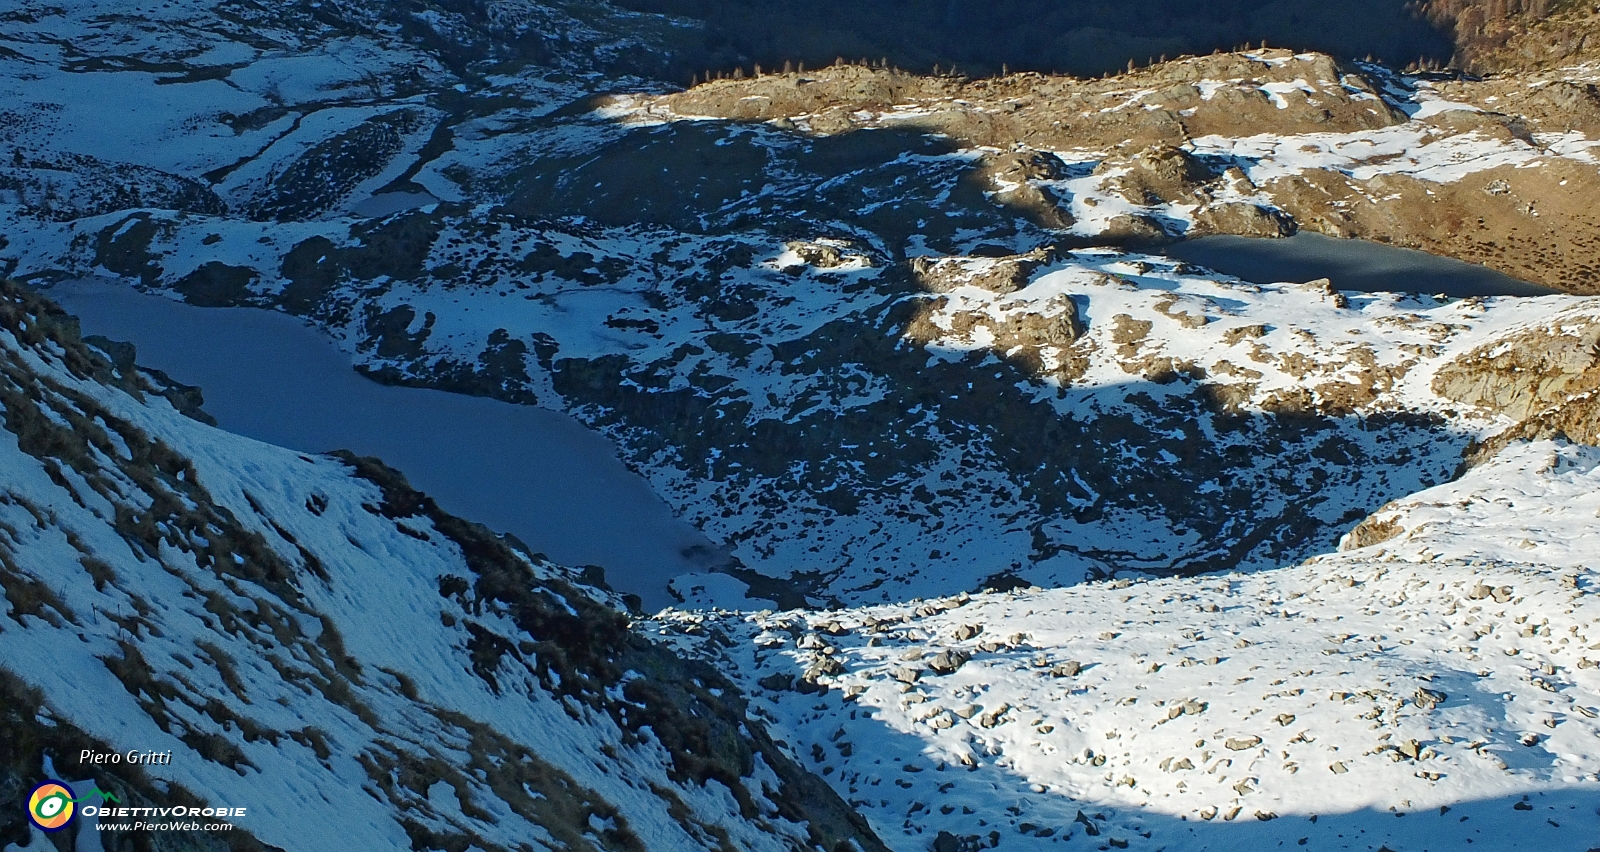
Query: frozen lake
{"type": "Point", "coordinates": [1351, 264]}
{"type": "Point", "coordinates": [535, 473]}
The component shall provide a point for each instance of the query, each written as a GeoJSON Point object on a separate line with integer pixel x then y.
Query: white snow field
{"type": "Point", "coordinates": [1438, 691]}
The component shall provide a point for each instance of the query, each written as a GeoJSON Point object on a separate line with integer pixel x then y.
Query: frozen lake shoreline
{"type": "Point", "coordinates": [538, 474]}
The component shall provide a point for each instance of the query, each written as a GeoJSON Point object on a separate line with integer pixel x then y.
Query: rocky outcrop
{"type": "Point", "coordinates": [997, 275]}
{"type": "Point", "coordinates": [1372, 531]}
{"type": "Point", "coordinates": [1243, 219]}
{"type": "Point", "coordinates": [1546, 378]}
{"type": "Point", "coordinates": [1527, 372]}
{"type": "Point", "coordinates": [1013, 180]}
{"type": "Point", "coordinates": [1169, 104]}
{"type": "Point", "coordinates": [1155, 174]}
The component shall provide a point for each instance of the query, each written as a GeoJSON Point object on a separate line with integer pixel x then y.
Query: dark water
{"type": "Point", "coordinates": [539, 474]}
{"type": "Point", "coordinates": [1351, 265]}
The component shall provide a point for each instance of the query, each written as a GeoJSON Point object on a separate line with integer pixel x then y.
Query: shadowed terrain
{"type": "Point", "coordinates": [1086, 37]}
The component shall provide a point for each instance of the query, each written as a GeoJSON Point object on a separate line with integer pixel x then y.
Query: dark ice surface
{"type": "Point", "coordinates": [538, 474]}
{"type": "Point", "coordinates": [1351, 264]}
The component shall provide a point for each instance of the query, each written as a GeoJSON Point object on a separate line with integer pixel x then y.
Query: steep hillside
{"type": "Point", "coordinates": [1518, 35]}
{"type": "Point", "coordinates": [317, 642]}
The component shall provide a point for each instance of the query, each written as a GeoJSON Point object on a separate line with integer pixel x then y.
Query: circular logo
{"type": "Point", "coordinates": [50, 806]}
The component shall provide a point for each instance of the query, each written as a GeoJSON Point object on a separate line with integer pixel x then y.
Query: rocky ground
{"type": "Point", "coordinates": [1493, 171]}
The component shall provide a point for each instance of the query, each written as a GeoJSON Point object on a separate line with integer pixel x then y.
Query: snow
{"type": "Point", "coordinates": [1446, 675]}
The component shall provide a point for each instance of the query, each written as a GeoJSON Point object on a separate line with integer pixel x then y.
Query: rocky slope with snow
{"type": "Point", "coordinates": [1443, 667]}
{"type": "Point", "coordinates": [844, 318]}
{"type": "Point", "coordinates": [889, 337]}
{"type": "Point", "coordinates": [317, 642]}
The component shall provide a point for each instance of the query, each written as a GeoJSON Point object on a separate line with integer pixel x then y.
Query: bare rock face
{"type": "Point", "coordinates": [1241, 218]}
{"type": "Point", "coordinates": [1372, 531]}
{"type": "Point", "coordinates": [997, 275]}
{"type": "Point", "coordinates": [1011, 176]}
{"type": "Point", "coordinates": [1527, 373]}
{"type": "Point", "coordinates": [1548, 379]}
{"type": "Point", "coordinates": [1576, 419]}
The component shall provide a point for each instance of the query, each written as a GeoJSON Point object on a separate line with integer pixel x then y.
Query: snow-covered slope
{"type": "Point", "coordinates": [315, 641]}
{"type": "Point", "coordinates": [1446, 673]}
{"type": "Point", "coordinates": [281, 111]}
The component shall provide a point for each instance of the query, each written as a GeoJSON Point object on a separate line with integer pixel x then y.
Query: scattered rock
{"type": "Point", "coordinates": [906, 674]}
{"type": "Point", "coordinates": [1242, 743]}
{"type": "Point", "coordinates": [946, 662]}
{"type": "Point", "coordinates": [778, 682]}
{"type": "Point", "coordinates": [1500, 594]}
{"type": "Point", "coordinates": [1427, 699]}
{"type": "Point", "coordinates": [993, 717]}
{"type": "Point", "coordinates": [1070, 668]}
